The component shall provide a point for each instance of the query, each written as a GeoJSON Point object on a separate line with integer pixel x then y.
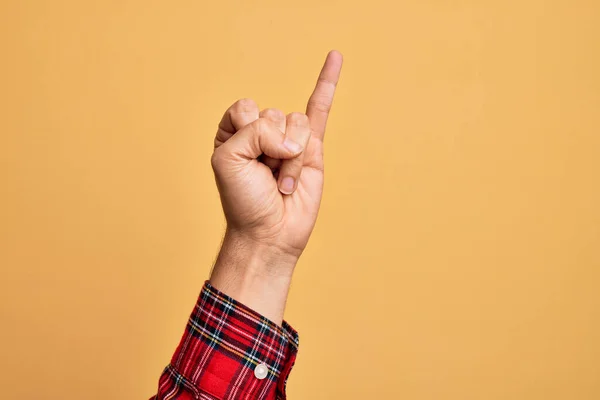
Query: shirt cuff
{"type": "Point", "coordinates": [224, 343]}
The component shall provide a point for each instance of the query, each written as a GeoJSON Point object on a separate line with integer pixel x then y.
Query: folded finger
{"type": "Point", "coordinates": [297, 129]}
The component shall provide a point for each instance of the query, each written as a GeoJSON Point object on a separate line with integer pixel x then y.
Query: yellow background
{"type": "Point", "coordinates": [457, 254]}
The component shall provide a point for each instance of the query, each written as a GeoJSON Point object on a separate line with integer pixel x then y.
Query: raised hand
{"type": "Point", "coordinates": [269, 167]}
{"type": "Point", "coordinates": [269, 171]}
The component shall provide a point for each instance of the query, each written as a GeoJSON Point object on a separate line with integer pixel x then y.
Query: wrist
{"type": "Point", "coordinates": [261, 256]}
{"type": "Point", "coordinates": [254, 273]}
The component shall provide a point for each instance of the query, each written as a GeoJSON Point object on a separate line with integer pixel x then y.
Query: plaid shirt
{"type": "Point", "coordinates": [229, 351]}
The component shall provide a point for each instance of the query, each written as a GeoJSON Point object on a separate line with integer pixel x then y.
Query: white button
{"type": "Point", "coordinates": [261, 371]}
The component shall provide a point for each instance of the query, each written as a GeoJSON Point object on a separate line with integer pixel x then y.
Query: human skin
{"type": "Point", "coordinates": [269, 171]}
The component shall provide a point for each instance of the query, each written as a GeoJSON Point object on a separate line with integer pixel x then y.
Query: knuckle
{"type": "Point", "coordinates": [273, 113]}
{"type": "Point", "coordinates": [327, 82]}
{"type": "Point", "coordinates": [262, 126]}
{"type": "Point", "coordinates": [298, 119]}
{"type": "Point", "coordinates": [244, 105]}
{"type": "Point", "coordinates": [320, 104]}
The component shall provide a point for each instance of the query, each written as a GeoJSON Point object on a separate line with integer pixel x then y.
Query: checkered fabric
{"type": "Point", "coordinates": [222, 345]}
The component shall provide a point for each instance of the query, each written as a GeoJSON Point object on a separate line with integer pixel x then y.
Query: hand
{"type": "Point", "coordinates": [269, 171]}
{"type": "Point", "coordinates": [269, 168]}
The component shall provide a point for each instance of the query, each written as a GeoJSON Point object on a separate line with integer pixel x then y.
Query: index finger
{"type": "Point", "coordinates": [321, 100]}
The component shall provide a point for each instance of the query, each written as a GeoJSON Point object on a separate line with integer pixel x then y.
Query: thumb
{"type": "Point", "coordinates": [260, 137]}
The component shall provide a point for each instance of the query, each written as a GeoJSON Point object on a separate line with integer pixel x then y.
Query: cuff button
{"type": "Point", "coordinates": [261, 371]}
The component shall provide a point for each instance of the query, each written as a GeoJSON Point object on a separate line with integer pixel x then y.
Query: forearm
{"type": "Point", "coordinates": [254, 274]}
{"type": "Point", "coordinates": [236, 344]}
{"type": "Point", "coordinates": [229, 351]}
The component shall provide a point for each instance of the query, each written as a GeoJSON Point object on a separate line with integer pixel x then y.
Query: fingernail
{"type": "Point", "coordinates": [287, 185]}
{"type": "Point", "coordinates": [292, 146]}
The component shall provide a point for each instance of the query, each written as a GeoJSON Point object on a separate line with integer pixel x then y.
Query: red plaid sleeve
{"type": "Point", "coordinates": [229, 351]}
